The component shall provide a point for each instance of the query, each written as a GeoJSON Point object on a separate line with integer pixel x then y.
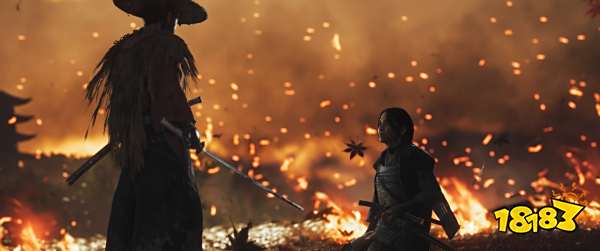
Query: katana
{"type": "Point", "coordinates": [229, 166]}
{"type": "Point", "coordinates": [91, 162]}
{"type": "Point", "coordinates": [108, 148]}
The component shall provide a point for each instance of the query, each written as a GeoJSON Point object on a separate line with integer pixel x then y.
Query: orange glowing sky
{"type": "Point", "coordinates": [470, 65]}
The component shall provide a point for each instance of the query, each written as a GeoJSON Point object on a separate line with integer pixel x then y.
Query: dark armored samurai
{"type": "Point", "coordinates": [406, 193]}
{"type": "Point", "coordinates": [139, 82]}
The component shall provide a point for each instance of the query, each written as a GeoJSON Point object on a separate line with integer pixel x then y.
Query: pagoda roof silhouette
{"type": "Point", "coordinates": [6, 98]}
{"type": "Point", "coordinates": [10, 119]}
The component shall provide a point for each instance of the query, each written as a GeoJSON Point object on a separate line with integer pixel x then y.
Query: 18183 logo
{"type": "Point", "coordinates": [560, 215]}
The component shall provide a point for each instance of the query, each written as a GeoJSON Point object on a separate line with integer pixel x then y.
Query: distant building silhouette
{"type": "Point", "coordinates": [9, 137]}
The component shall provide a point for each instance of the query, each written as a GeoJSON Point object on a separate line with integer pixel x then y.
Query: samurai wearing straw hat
{"type": "Point", "coordinates": [140, 81]}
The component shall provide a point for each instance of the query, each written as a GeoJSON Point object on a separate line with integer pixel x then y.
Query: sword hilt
{"type": "Point", "coordinates": [108, 147]}
{"type": "Point", "coordinates": [195, 101]}
{"type": "Point", "coordinates": [369, 204]}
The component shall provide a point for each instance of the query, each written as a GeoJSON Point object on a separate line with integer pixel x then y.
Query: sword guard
{"type": "Point", "coordinates": [365, 203]}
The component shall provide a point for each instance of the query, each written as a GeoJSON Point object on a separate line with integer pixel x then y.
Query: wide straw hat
{"type": "Point", "coordinates": [186, 11]}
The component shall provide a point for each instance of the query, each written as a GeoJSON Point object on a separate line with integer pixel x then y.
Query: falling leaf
{"type": "Point", "coordinates": [355, 149]}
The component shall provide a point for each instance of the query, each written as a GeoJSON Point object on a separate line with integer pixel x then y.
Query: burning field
{"type": "Point", "coordinates": [505, 96]}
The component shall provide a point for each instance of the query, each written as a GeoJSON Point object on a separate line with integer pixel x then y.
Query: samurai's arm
{"type": "Point", "coordinates": [167, 60]}
{"type": "Point", "coordinates": [374, 212]}
{"type": "Point", "coordinates": [373, 215]}
{"type": "Point", "coordinates": [168, 101]}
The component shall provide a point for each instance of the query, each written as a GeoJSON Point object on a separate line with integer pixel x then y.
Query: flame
{"type": "Point", "coordinates": [3, 231]}
{"type": "Point", "coordinates": [470, 213]}
{"type": "Point", "coordinates": [67, 243]}
{"type": "Point", "coordinates": [340, 225]}
{"type": "Point", "coordinates": [590, 217]}
{"type": "Point", "coordinates": [30, 240]}
{"type": "Point", "coordinates": [348, 227]}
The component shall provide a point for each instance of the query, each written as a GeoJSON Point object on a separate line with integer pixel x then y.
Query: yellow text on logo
{"type": "Point", "coordinates": [524, 219]}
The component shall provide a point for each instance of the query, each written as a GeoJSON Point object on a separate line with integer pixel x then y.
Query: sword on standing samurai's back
{"type": "Point", "coordinates": [107, 149]}
{"type": "Point", "coordinates": [88, 164]}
